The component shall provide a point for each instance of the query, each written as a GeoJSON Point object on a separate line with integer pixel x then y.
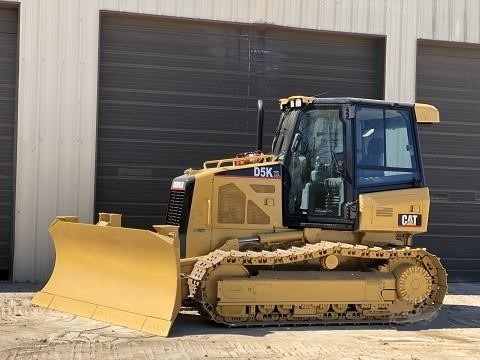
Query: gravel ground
{"type": "Point", "coordinates": [29, 332]}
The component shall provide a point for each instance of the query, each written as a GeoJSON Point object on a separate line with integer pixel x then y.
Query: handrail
{"type": "Point", "coordinates": [239, 161]}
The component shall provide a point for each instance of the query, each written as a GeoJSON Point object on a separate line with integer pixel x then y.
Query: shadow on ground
{"type": "Point", "coordinates": [464, 288]}
{"type": "Point", "coordinates": [12, 287]}
{"type": "Point", "coordinates": [450, 317]}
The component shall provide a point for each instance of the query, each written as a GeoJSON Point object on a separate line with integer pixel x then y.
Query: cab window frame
{"type": "Point", "coordinates": [412, 174]}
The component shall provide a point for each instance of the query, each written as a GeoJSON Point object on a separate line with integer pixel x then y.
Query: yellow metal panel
{"type": "Point", "coordinates": [120, 275]}
{"type": "Point", "coordinates": [205, 233]}
{"type": "Point", "coordinates": [199, 231]}
{"type": "Point", "coordinates": [156, 326]}
{"type": "Point", "coordinates": [269, 287]}
{"type": "Point", "coordinates": [72, 306]}
{"type": "Point", "coordinates": [426, 114]}
{"type": "Point", "coordinates": [114, 316]}
{"type": "Point", "coordinates": [380, 211]}
{"type": "Point", "coordinates": [43, 299]}
{"type": "Point", "coordinates": [244, 186]}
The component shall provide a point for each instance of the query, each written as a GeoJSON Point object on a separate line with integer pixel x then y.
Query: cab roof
{"type": "Point", "coordinates": [424, 113]}
{"type": "Point", "coordinates": [340, 100]}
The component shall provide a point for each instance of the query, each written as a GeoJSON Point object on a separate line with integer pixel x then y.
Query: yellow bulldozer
{"type": "Point", "coordinates": [319, 231]}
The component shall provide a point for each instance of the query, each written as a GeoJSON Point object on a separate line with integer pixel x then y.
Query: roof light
{"type": "Point", "coordinates": [294, 101]}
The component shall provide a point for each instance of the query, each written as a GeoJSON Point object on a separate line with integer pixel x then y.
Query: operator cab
{"type": "Point", "coordinates": [333, 149]}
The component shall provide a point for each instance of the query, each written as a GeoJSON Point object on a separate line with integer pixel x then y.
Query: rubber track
{"type": "Point", "coordinates": [423, 311]}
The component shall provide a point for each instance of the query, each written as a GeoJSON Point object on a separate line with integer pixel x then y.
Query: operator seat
{"type": "Point", "coordinates": [314, 194]}
{"type": "Point", "coordinates": [374, 153]}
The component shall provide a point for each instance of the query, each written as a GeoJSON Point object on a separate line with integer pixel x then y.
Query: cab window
{"type": "Point", "coordinates": [385, 151]}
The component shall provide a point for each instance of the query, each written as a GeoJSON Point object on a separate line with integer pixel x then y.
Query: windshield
{"type": "Point", "coordinates": [284, 133]}
{"type": "Point", "coordinates": [321, 136]}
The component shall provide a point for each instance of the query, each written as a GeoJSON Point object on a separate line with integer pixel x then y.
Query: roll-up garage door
{"type": "Point", "coordinates": [174, 93]}
{"type": "Point", "coordinates": [8, 76]}
{"type": "Point", "coordinates": [448, 77]}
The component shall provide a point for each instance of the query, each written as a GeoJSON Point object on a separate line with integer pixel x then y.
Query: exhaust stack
{"type": "Point", "coordinates": [260, 116]}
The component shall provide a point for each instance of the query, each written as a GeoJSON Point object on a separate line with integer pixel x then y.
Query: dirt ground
{"type": "Point", "coordinates": [28, 332]}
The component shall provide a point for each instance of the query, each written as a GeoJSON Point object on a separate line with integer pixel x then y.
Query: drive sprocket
{"type": "Point", "coordinates": [414, 283]}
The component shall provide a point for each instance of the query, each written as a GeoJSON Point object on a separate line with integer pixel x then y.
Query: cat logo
{"type": "Point", "coordinates": [409, 219]}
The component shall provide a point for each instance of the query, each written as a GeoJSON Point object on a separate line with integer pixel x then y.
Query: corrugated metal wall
{"type": "Point", "coordinates": [448, 76]}
{"type": "Point", "coordinates": [57, 108]}
{"type": "Point", "coordinates": [8, 80]}
{"type": "Point", "coordinates": [58, 62]}
{"type": "Point", "coordinates": [173, 93]}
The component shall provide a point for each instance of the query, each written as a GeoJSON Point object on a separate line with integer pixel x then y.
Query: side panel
{"type": "Point", "coordinates": [246, 202]}
{"type": "Point", "coordinates": [396, 211]}
{"type": "Point", "coordinates": [273, 287]}
{"type": "Point", "coordinates": [199, 230]}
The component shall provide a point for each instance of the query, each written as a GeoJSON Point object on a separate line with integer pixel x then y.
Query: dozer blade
{"type": "Point", "coordinates": [122, 276]}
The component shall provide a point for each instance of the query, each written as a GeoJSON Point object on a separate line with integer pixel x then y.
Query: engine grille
{"type": "Point", "coordinates": [175, 207]}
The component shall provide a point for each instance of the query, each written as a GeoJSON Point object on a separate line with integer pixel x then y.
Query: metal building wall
{"type": "Point", "coordinates": [57, 95]}
{"type": "Point", "coordinates": [448, 76]}
{"type": "Point", "coordinates": [56, 125]}
{"type": "Point", "coordinates": [8, 79]}
{"type": "Point", "coordinates": [190, 88]}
